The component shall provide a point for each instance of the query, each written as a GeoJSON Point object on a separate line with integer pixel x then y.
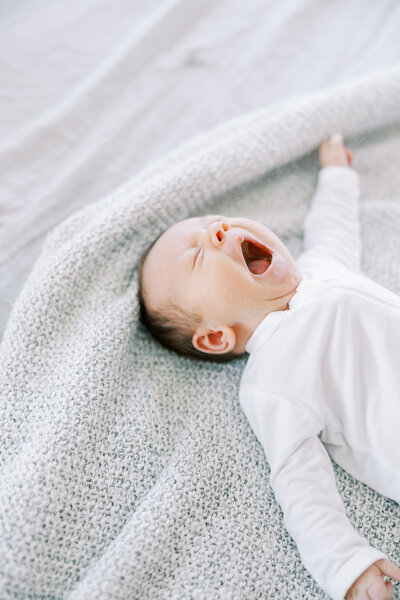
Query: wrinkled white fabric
{"type": "Point", "coordinates": [325, 373]}
{"type": "Point", "coordinates": [91, 92]}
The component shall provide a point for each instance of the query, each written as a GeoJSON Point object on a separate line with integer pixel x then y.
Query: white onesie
{"type": "Point", "coordinates": [324, 376]}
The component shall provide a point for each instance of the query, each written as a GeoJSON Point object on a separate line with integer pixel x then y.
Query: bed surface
{"type": "Point", "coordinates": [92, 92]}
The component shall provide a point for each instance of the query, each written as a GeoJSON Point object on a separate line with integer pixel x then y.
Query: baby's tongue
{"type": "Point", "coordinates": [258, 265]}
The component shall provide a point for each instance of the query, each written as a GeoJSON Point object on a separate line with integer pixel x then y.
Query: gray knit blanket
{"type": "Point", "coordinates": [128, 472]}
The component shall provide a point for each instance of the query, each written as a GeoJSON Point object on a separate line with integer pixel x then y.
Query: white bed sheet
{"type": "Point", "coordinates": [91, 91]}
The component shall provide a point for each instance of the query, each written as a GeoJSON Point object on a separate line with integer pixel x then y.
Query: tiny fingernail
{"type": "Point", "coordinates": [337, 137]}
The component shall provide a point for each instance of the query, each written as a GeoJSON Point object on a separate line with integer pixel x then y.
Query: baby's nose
{"type": "Point", "coordinates": [216, 232]}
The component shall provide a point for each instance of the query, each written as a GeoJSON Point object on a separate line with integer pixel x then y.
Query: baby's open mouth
{"type": "Point", "coordinates": [258, 258]}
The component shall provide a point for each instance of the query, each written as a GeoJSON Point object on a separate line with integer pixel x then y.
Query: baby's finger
{"type": "Point", "coordinates": [390, 589]}
{"type": "Point", "coordinates": [337, 138]}
{"type": "Point", "coordinates": [349, 156]}
{"type": "Point", "coordinates": [388, 568]}
{"type": "Point", "coordinates": [380, 590]}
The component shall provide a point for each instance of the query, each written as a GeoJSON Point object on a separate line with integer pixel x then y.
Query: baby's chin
{"type": "Point", "coordinates": [281, 278]}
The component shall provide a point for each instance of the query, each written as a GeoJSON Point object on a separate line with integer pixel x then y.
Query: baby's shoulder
{"type": "Point", "coordinates": [326, 268]}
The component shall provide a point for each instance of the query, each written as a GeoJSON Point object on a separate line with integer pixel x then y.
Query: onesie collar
{"type": "Point", "coordinates": [265, 329]}
{"type": "Point", "coordinates": [307, 287]}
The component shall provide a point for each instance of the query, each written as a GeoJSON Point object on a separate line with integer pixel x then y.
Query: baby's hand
{"type": "Point", "coordinates": [334, 152]}
{"type": "Point", "coordinates": [370, 585]}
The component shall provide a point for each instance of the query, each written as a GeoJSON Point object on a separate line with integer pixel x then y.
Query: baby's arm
{"type": "Point", "coordinates": [304, 484]}
{"type": "Point", "coordinates": [331, 227]}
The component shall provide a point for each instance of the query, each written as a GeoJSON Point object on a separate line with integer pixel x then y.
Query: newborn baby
{"type": "Point", "coordinates": [323, 372]}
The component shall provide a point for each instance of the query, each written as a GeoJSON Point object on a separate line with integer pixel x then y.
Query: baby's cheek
{"type": "Point", "coordinates": [222, 289]}
{"type": "Point", "coordinates": [233, 292]}
{"type": "Point", "coordinates": [215, 297]}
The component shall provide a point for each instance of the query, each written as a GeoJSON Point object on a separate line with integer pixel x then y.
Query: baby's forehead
{"type": "Point", "coordinates": [182, 235]}
{"type": "Point", "coordinates": [175, 240]}
{"type": "Point", "coordinates": [184, 224]}
{"type": "Point", "coordinates": [191, 223]}
{"type": "Point", "coordinates": [180, 231]}
{"type": "Point", "coordinates": [163, 265]}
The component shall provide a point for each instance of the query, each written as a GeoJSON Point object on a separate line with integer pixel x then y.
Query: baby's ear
{"type": "Point", "coordinates": [214, 341]}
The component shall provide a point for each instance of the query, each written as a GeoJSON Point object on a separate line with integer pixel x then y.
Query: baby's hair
{"type": "Point", "coordinates": [173, 327]}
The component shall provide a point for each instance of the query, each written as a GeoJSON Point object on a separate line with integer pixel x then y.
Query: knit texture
{"type": "Point", "coordinates": [128, 472]}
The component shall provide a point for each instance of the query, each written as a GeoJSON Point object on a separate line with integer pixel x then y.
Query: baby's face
{"type": "Point", "coordinates": [231, 271]}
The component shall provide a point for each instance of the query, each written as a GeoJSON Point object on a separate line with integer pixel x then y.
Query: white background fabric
{"type": "Point", "coordinates": [92, 91]}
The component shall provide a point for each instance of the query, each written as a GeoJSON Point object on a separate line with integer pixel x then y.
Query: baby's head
{"type": "Point", "coordinates": [207, 282]}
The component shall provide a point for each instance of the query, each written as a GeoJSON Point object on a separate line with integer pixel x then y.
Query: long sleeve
{"type": "Point", "coordinates": [331, 227]}
{"type": "Point", "coordinates": [304, 485]}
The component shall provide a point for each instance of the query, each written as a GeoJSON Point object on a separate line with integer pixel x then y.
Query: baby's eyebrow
{"type": "Point", "coordinates": [191, 237]}
{"type": "Point", "coordinates": [186, 260]}
{"type": "Point", "coordinates": [190, 240]}
{"type": "Point", "coordinates": [202, 220]}
{"type": "Point", "coordinates": [193, 234]}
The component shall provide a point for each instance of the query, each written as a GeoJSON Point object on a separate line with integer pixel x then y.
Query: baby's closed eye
{"type": "Point", "coordinates": [199, 254]}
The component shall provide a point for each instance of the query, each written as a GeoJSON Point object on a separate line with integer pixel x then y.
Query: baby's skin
{"type": "Point", "coordinates": [370, 585]}
{"type": "Point", "coordinates": [199, 264]}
